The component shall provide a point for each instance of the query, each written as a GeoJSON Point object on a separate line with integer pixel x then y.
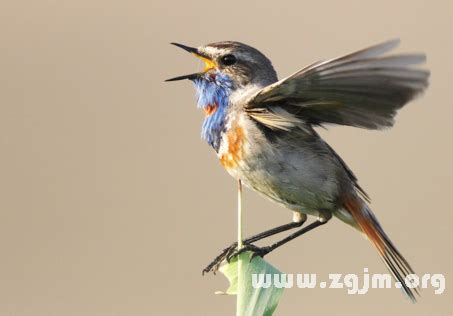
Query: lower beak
{"type": "Point", "coordinates": [208, 62]}
{"type": "Point", "coordinates": [190, 77]}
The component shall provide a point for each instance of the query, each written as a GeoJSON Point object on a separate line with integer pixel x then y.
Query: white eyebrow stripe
{"type": "Point", "coordinates": [215, 52]}
{"type": "Point", "coordinates": [212, 51]}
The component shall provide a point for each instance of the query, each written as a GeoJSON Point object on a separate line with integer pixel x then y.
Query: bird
{"type": "Point", "coordinates": [263, 131]}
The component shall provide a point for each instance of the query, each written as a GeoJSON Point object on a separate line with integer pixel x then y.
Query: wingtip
{"type": "Point", "coordinates": [395, 41]}
{"type": "Point", "coordinates": [388, 45]}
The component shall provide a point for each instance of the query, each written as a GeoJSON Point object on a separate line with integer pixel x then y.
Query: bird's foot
{"type": "Point", "coordinates": [215, 264]}
{"type": "Point", "coordinates": [231, 252]}
{"type": "Point", "coordinates": [257, 251]}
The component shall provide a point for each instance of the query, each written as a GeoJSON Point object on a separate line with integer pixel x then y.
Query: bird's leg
{"type": "Point", "coordinates": [227, 252]}
{"type": "Point", "coordinates": [262, 251]}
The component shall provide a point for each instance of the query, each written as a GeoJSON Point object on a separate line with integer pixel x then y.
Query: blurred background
{"type": "Point", "coordinates": [111, 204]}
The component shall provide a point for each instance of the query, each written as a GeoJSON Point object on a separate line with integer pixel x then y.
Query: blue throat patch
{"type": "Point", "coordinates": [213, 90]}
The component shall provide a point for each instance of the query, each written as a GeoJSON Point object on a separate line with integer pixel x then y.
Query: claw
{"type": "Point", "coordinates": [229, 253]}
{"type": "Point", "coordinates": [232, 252]}
{"type": "Point", "coordinates": [257, 251]}
{"type": "Point", "coordinates": [260, 253]}
{"type": "Point", "coordinates": [253, 256]}
{"type": "Point", "coordinates": [215, 264]}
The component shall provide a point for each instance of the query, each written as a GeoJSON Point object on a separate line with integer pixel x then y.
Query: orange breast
{"type": "Point", "coordinates": [210, 109]}
{"type": "Point", "coordinates": [233, 156]}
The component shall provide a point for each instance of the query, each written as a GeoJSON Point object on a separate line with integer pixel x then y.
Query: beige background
{"type": "Point", "coordinates": [110, 204]}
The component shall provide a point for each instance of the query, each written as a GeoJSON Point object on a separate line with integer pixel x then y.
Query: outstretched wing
{"type": "Point", "coordinates": [363, 89]}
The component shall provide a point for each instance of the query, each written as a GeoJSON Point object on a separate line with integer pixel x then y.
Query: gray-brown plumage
{"type": "Point", "coordinates": [262, 131]}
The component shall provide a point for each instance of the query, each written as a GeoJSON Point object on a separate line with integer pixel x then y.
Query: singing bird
{"type": "Point", "coordinates": [262, 130]}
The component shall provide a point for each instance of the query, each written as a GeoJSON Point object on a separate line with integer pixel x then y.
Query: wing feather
{"type": "Point", "coordinates": [362, 89]}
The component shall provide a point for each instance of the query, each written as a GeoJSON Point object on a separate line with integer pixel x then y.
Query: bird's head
{"type": "Point", "coordinates": [231, 69]}
{"type": "Point", "coordinates": [241, 63]}
{"type": "Point", "coordinates": [232, 64]}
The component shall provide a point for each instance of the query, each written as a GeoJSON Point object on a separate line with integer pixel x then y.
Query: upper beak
{"type": "Point", "coordinates": [209, 63]}
{"type": "Point", "coordinates": [186, 48]}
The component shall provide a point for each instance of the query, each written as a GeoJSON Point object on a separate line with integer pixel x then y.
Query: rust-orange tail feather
{"type": "Point", "coordinates": [369, 225]}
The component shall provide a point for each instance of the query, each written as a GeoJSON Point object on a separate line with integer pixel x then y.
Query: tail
{"type": "Point", "coordinates": [368, 224]}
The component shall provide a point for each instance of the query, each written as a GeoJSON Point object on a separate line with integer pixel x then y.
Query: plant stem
{"type": "Point", "coordinates": [239, 214]}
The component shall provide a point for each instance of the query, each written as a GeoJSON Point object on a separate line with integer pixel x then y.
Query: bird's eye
{"type": "Point", "coordinates": [228, 60]}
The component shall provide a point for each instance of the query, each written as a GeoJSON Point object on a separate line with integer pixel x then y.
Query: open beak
{"type": "Point", "coordinates": [209, 63]}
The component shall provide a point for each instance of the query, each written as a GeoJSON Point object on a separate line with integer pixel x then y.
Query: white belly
{"type": "Point", "coordinates": [292, 175]}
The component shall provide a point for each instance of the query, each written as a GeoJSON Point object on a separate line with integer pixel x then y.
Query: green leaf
{"type": "Point", "coordinates": [251, 301]}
